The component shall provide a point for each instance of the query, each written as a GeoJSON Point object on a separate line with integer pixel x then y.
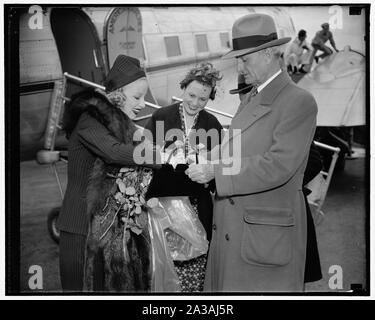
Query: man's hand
{"type": "Point", "coordinates": [201, 173]}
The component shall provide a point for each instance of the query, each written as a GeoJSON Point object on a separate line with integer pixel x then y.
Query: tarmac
{"type": "Point", "coordinates": [341, 234]}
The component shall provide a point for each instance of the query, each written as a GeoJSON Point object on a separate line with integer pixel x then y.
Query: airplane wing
{"type": "Point", "coordinates": [338, 85]}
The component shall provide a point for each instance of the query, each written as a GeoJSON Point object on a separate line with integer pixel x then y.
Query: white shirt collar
{"type": "Point", "coordinates": [264, 84]}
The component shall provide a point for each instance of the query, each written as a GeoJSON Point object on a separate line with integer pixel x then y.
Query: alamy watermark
{"type": "Point", "coordinates": [335, 281]}
{"type": "Point", "coordinates": [336, 17]}
{"type": "Point", "coordinates": [36, 278]}
{"type": "Point", "coordinates": [36, 20]}
{"type": "Point", "coordinates": [228, 157]}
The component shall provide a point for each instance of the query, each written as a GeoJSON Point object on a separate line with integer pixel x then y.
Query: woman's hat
{"type": "Point", "coordinates": [242, 86]}
{"type": "Point", "coordinates": [252, 33]}
{"type": "Point", "coordinates": [124, 71]}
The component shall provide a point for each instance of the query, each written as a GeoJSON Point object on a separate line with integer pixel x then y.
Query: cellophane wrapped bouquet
{"type": "Point", "coordinates": [177, 232]}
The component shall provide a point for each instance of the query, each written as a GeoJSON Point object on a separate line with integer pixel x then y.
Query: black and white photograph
{"type": "Point", "coordinates": [187, 149]}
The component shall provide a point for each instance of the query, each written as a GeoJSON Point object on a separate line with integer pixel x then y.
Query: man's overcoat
{"type": "Point", "coordinates": [259, 229]}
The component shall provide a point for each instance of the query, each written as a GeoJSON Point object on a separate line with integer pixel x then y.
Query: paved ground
{"type": "Point", "coordinates": [341, 235]}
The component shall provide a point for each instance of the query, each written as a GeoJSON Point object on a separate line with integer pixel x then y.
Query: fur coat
{"type": "Point", "coordinates": [116, 259]}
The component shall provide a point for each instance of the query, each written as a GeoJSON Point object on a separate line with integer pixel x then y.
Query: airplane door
{"type": "Point", "coordinates": [123, 35]}
{"type": "Point", "coordinates": [78, 46]}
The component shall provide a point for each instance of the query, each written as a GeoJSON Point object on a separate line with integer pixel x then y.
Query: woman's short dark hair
{"type": "Point", "coordinates": [205, 74]}
{"type": "Point", "coordinates": [302, 33]}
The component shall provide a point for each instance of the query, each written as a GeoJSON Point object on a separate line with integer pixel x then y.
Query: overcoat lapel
{"type": "Point", "coordinates": [249, 115]}
{"type": "Point", "coordinates": [257, 106]}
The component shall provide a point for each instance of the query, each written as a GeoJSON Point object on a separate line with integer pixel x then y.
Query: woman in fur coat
{"type": "Point", "coordinates": [104, 244]}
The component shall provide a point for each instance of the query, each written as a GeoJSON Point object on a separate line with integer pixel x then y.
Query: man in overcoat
{"type": "Point", "coordinates": [259, 225]}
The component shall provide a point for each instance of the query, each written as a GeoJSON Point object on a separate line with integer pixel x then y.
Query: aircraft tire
{"type": "Point", "coordinates": [54, 232]}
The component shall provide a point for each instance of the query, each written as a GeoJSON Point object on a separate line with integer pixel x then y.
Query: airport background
{"type": "Point", "coordinates": [347, 31]}
{"type": "Point", "coordinates": [341, 233]}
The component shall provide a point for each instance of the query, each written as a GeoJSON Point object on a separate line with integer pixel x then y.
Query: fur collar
{"type": "Point", "coordinates": [121, 127]}
{"type": "Point", "coordinates": [117, 122]}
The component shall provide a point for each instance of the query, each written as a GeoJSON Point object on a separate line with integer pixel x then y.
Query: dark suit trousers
{"type": "Point", "coordinates": [72, 253]}
{"type": "Point", "coordinates": [72, 262]}
{"type": "Point", "coordinates": [313, 271]}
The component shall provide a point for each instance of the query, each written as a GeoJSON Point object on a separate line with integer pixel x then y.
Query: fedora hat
{"type": "Point", "coordinates": [252, 33]}
{"type": "Point", "coordinates": [242, 87]}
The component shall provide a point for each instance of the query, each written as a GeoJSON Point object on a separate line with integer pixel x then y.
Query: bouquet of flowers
{"type": "Point", "coordinates": [129, 200]}
{"type": "Point", "coordinates": [119, 227]}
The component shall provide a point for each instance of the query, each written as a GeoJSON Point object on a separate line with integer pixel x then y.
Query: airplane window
{"type": "Point", "coordinates": [202, 44]}
{"type": "Point", "coordinates": [173, 46]}
{"type": "Point", "coordinates": [224, 38]}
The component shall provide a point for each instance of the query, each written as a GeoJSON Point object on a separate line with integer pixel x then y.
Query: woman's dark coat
{"type": "Point", "coordinates": [101, 143]}
{"type": "Point", "coordinates": [90, 140]}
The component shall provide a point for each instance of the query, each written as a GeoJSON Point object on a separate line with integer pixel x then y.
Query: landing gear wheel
{"type": "Point", "coordinates": [51, 224]}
